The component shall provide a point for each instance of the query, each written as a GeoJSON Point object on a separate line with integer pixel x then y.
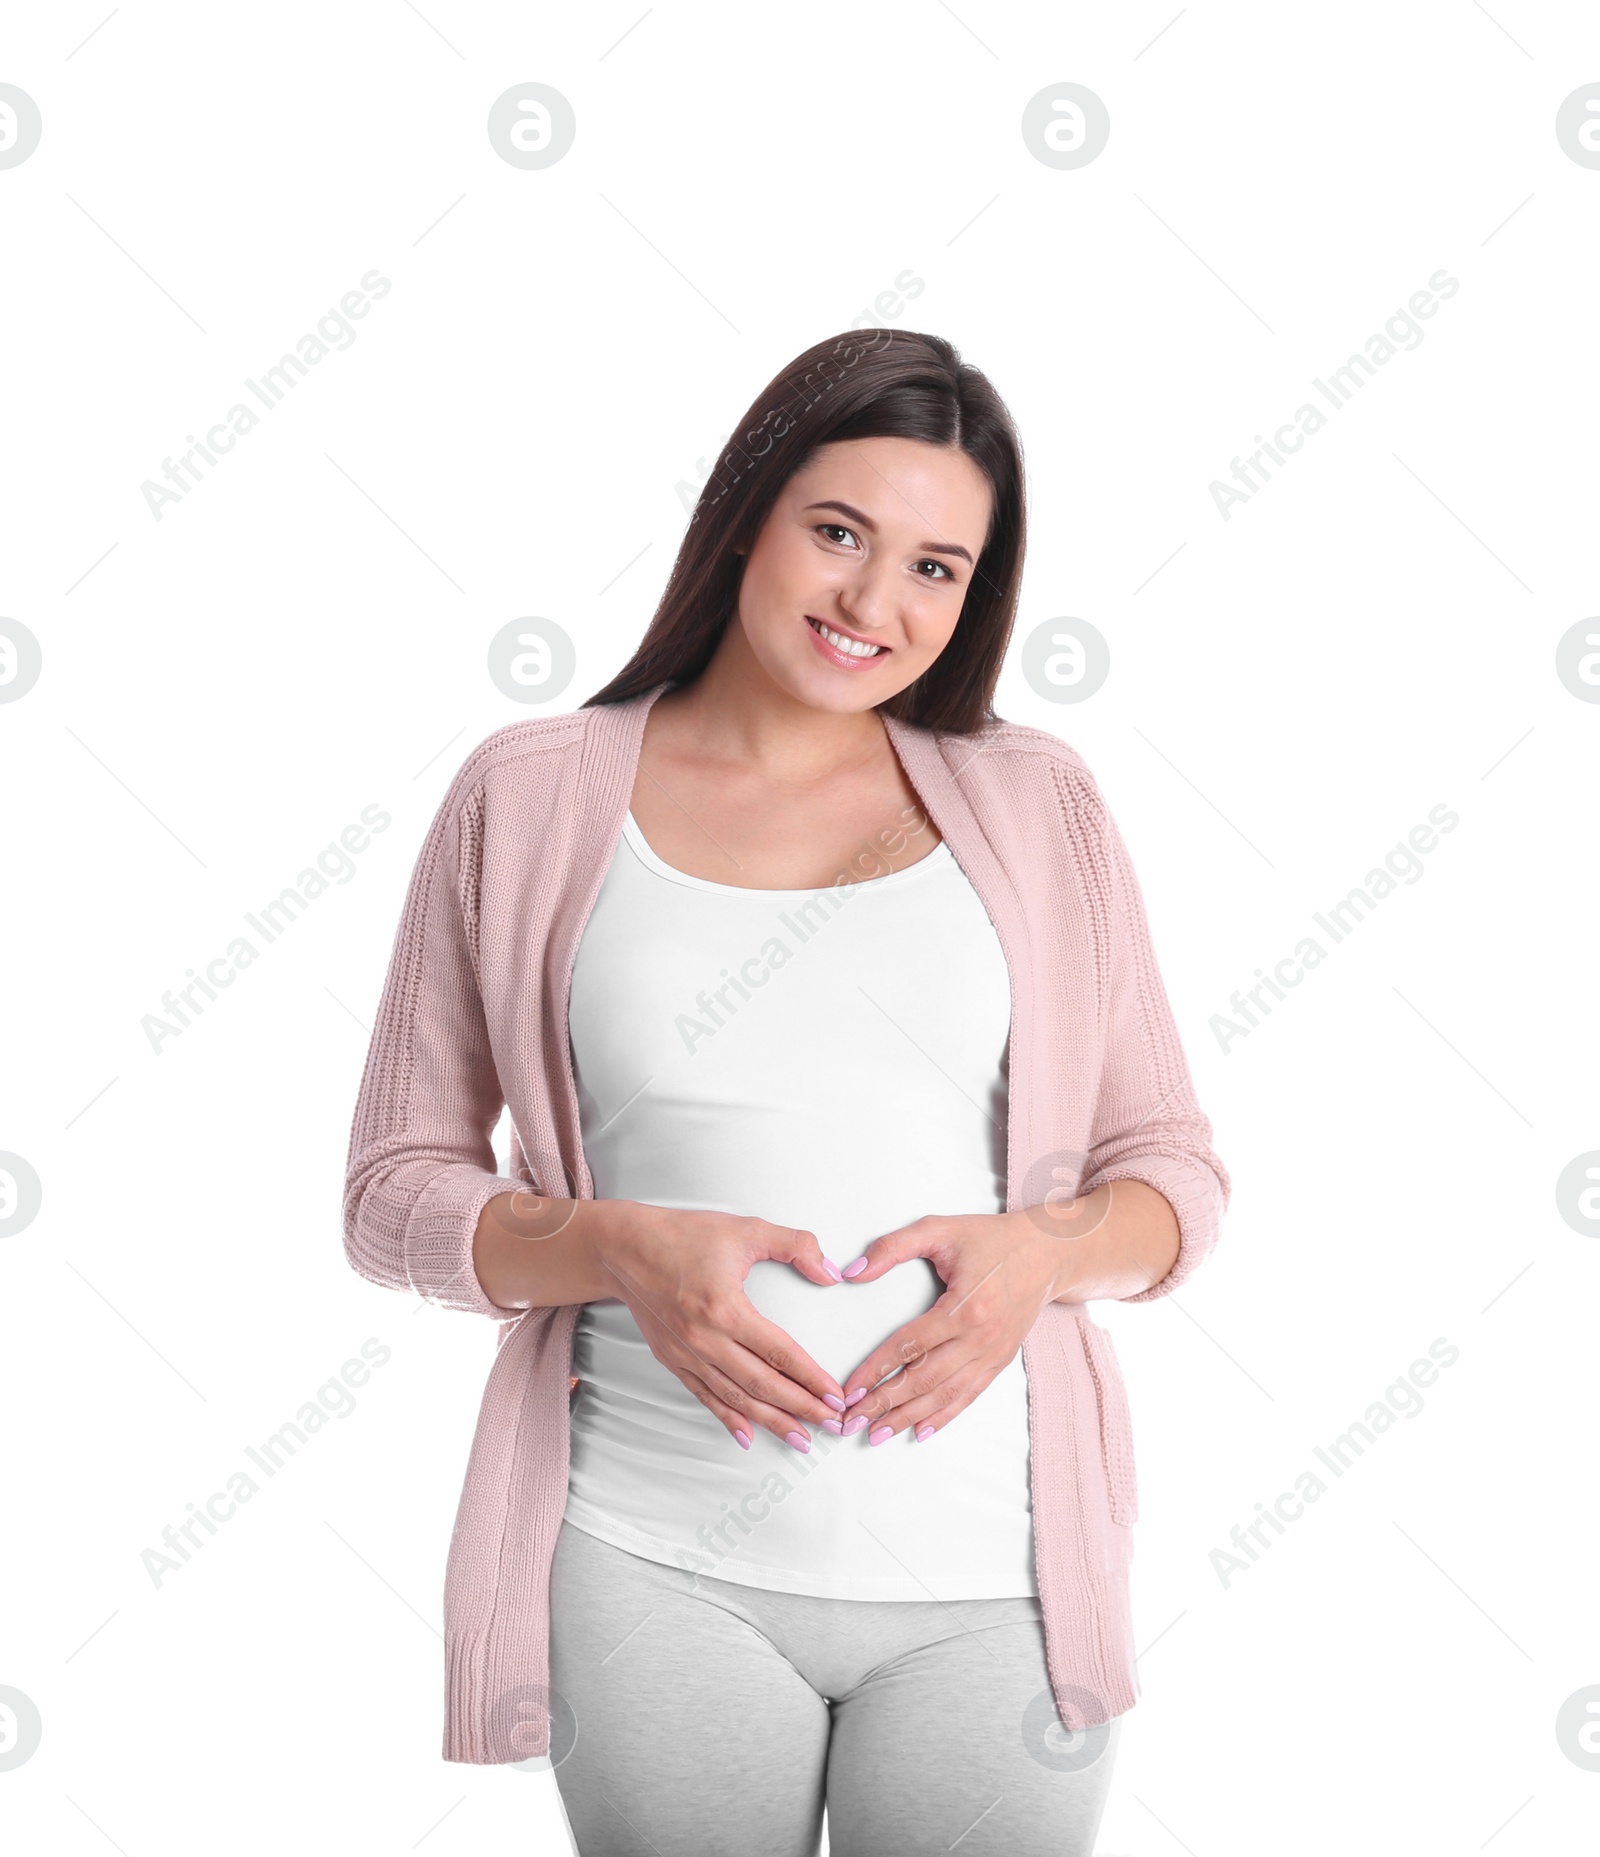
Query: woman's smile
{"type": "Point", "coordinates": [849, 650]}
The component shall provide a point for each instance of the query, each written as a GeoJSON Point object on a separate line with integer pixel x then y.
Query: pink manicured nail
{"type": "Point", "coordinates": [744, 1439]}
{"type": "Point", "coordinates": [798, 1439]}
{"type": "Point", "coordinates": [834, 1426]}
{"type": "Point", "coordinates": [878, 1436]}
{"type": "Point", "coordinates": [855, 1269]}
{"type": "Point", "coordinates": [832, 1269]}
{"type": "Point", "coordinates": [851, 1398]}
{"type": "Point", "coordinates": [852, 1426]}
{"type": "Point", "coordinates": [924, 1432]}
{"type": "Point", "coordinates": [833, 1399]}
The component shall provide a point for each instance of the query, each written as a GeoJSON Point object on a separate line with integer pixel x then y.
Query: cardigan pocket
{"type": "Point", "coordinates": [1116, 1429]}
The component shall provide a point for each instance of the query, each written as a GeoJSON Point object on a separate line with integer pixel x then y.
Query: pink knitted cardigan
{"type": "Point", "coordinates": [474, 1016]}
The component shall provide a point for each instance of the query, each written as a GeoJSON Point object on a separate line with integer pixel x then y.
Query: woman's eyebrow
{"type": "Point", "coordinates": [856, 515]}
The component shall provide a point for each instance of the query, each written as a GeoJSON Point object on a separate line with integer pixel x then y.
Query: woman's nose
{"type": "Point", "coordinates": [868, 596]}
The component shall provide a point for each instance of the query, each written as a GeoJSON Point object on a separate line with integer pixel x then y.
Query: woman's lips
{"type": "Point", "coordinates": [836, 654]}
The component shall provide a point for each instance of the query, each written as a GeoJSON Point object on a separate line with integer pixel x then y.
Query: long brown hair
{"type": "Point", "coordinates": [870, 383]}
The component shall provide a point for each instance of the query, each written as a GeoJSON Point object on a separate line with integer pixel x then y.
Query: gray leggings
{"type": "Point", "coordinates": [716, 1720]}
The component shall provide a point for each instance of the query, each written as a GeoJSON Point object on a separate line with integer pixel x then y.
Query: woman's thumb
{"type": "Point", "coordinates": [883, 1253]}
{"type": "Point", "coordinates": [807, 1258]}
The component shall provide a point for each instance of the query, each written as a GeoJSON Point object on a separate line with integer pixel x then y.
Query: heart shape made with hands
{"type": "Point", "coordinates": [840, 1324]}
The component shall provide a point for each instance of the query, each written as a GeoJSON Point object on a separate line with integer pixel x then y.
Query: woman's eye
{"type": "Point", "coordinates": [837, 527]}
{"type": "Point", "coordinates": [939, 565]}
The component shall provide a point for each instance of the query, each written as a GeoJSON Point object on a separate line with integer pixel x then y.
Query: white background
{"type": "Point", "coordinates": [1292, 689]}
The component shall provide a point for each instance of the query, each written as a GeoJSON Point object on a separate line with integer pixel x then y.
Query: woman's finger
{"type": "Point", "coordinates": [738, 1425]}
{"type": "Point", "coordinates": [786, 1374]}
{"type": "Point", "coordinates": [924, 1417]}
{"type": "Point", "coordinates": [784, 1245]}
{"type": "Point", "coordinates": [904, 1351]}
{"type": "Point", "coordinates": [757, 1355]}
{"type": "Point", "coordinates": [918, 1239]}
{"type": "Point", "coordinates": [739, 1413]}
{"type": "Point", "coordinates": [740, 1380]}
{"type": "Point", "coordinates": [928, 1378]}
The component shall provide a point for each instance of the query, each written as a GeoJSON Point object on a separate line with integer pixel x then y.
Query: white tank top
{"type": "Point", "coordinates": [832, 1060]}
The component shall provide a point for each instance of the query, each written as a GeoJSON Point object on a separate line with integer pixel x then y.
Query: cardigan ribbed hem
{"type": "Point", "coordinates": [440, 1234]}
{"type": "Point", "coordinates": [1192, 1192]}
{"type": "Point", "coordinates": [497, 1704]}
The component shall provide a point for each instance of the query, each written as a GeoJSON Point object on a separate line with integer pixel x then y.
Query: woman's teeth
{"type": "Point", "coordinates": [840, 643]}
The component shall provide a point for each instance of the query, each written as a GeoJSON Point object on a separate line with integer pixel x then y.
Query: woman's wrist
{"type": "Point", "coordinates": [533, 1252]}
{"type": "Point", "coordinates": [1115, 1242]}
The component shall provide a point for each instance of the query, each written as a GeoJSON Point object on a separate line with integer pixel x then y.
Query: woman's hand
{"type": "Point", "coordinates": [682, 1275]}
{"type": "Point", "coordinates": [999, 1270]}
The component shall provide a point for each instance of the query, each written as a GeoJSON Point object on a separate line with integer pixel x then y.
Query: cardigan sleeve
{"type": "Point", "coordinates": [421, 1160]}
{"type": "Point", "coordinates": [1147, 1122]}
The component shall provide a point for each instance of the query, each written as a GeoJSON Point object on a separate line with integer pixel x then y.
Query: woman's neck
{"type": "Point", "coordinates": [734, 712]}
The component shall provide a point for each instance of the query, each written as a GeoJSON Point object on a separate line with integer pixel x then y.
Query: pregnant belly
{"type": "Point", "coordinates": [840, 1324]}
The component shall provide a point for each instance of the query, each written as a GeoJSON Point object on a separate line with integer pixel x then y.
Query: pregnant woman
{"type": "Point", "coordinates": [841, 1078]}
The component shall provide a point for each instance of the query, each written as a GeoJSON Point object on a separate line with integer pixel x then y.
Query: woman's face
{"type": "Point", "coordinates": [874, 540]}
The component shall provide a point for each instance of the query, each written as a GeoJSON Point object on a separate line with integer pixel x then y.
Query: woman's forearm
{"type": "Point", "coordinates": [1120, 1239]}
{"type": "Point", "coordinates": [536, 1253]}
